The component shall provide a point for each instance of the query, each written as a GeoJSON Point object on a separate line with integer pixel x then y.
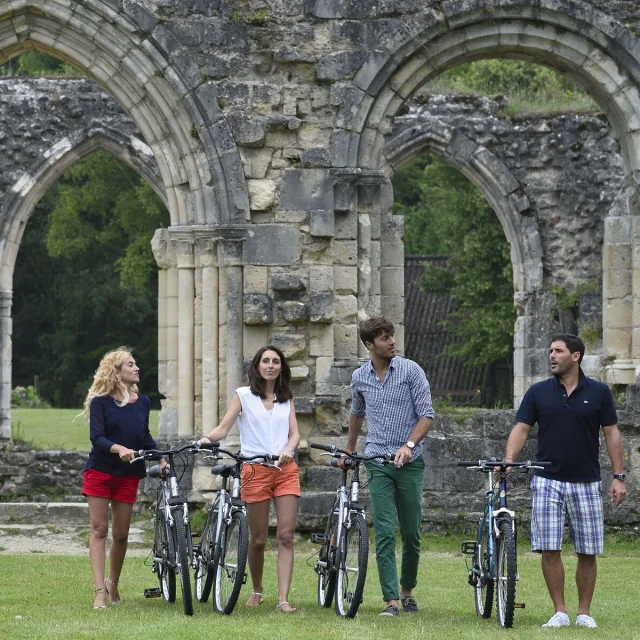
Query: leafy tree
{"type": "Point", "coordinates": [86, 280]}
{"type": "Point", "coordinates": [446, 215]}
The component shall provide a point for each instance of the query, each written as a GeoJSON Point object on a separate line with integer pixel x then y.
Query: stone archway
{"type": "Point", "coordinates": [508, 200]}
{"type": "Point", "coordinates": [577, 40]}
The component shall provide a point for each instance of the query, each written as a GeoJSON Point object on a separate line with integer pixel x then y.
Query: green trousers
{"type": "Point", "coordinates": [396, 491]}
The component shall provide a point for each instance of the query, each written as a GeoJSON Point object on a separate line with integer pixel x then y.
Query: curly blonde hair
{"type": "Point", "coordinates": [107, 381]}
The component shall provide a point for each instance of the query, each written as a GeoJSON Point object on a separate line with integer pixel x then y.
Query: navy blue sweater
{"type": "Point", "coordinates": [128, 426]}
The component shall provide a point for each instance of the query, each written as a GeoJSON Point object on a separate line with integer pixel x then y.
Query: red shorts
{"type": "Point", "coordinates": [261, 483]}
{"type": "Point", "coordinates": [104, 485]}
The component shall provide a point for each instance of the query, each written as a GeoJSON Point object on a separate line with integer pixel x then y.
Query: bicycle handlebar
{"type": "Point", "coordinates": [330, 448]}
{"type": "Point", "coordinates": [490, 465]}
{"type": "Point", "coordinates": [238, 457]}
{"type": "Point", "coordinates": [143, 454]}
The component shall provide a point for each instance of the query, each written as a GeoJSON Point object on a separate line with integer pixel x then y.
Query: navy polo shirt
{"type": "Point", "coordinates": [569, 427]}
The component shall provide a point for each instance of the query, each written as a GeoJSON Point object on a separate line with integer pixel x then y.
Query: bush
{"type": "Point", "coordinates": [26, 398]}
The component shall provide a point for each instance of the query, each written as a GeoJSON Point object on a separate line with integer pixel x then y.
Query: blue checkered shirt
{"type": "Point", "coordinates": [392, 407]}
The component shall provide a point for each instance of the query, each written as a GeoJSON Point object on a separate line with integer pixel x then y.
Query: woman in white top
{"type": "Point", "coordinates": [267, 423]}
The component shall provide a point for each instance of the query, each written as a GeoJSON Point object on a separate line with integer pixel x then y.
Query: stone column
{"type": "Point", "coordinates": [6, 330]}
{"type": "Point", "coordinates": [207, 252]}
{"type": "Point", "coordinates": [183, 242]}
{"type": "Point", "coordinates": [167, 333]}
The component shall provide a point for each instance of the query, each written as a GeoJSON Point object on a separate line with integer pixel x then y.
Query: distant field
{"type": "Point", "coordinates": [55, 429]}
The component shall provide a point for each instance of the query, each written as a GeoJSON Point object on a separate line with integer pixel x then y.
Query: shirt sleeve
{"type": "Point", "coordinates": [421, 393]}
{"type": "Point", "coordinates": [608, 415]}
{"type": "Point", "coordinates": [358, 406]}
{"type": "Point", "coordinates": [528, 411]}
{"type": "Point", "coordinates": [97, 429]}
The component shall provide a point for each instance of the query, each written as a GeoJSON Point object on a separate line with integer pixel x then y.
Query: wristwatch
{"type": "Point", "coordinates": [620, 476]}
{"type": "Point", "coordinates": [410, 444]}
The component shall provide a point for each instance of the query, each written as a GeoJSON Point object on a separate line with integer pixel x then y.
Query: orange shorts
{"type": "Point", "coordinates": [261, 483]}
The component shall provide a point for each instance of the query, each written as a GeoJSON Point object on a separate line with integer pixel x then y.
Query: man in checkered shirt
{"type": "Point", "coordinates": [393, 394]}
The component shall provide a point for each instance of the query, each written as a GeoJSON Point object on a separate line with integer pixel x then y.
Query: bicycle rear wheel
{"type": "Point", "coordinates": [352, 567]}
{"type": "Point", "coordinates": [183, 562]}
{"type": "Point", "coordinates": [203, 578]}
{"type": "Point", "coordinates": [506, 575]}
{"type": "Point", "coordinates": [163, 549]}
{"type": "Point", "coordinates": [482, 565]}
{"type": "Point", "coordinates": [230, 563]}
{"type": "Point", "coordinates": [325, 567]}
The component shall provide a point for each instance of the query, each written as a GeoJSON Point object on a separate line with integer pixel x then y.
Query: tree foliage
{"type": "Point", "coordinates": [86, 280]}
{"type": "Point", "coordinates": [446, 215]}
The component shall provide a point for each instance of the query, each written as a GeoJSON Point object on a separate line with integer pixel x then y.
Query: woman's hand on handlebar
{"type": "Point", "coordinates": [127, 455]}
{"type": "Point", "coordinates": [285, 456]}
{"type": "Point", "coordinates": [163, 463]}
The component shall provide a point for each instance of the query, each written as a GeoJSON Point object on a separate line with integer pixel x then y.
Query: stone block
{"type": "Point", "coordinates": [304, 405]}
{"type": "Point", "coordinates": [272, 244]}
{"type": "Point", "coordinates": [321, 278]}
{"type": "Point", "coordinates": [392, 280]}
{"type": "Point", "coordinates": [248, 131]}
{"type": "Point", "coordinates": [281, 139]}
{"type": "Point", "coordinates": [346, 340]}
{"type": "Point", "coordinates": [393, 308]}
{"type": "Point", "coordinates": [262, 194]}
{"type": "Point", "coordinates": [293, 345]}
{"type": "Point", "coordinates": [345, 280]}
{"type": "Point", "coordinates": [321, 306]}
{"type": "Point", "coordinates": [256, 279]}
{"type": "Point", "coordinates": [287, 283]}
{"type": "Point", "coordinates": [257, 309]}
{"type": "Point", "coordinates": [321, 340]}
{"type": "Point", "coordinates": [345, 252]}
{"type": "Point", "coordinates": [323, 478]}
{"type": "Point", "coordinates": [346, 309]}
{"type": "Point", "coordinates": [299, 373]}
{"type": "Point", "coordinates": [305, 190]}
{"type": "Point", "coordinates": [293, 311]}
{"type": "Point", "coordinates": [253, 339]}
{"type": "Point", "coordinates": [256, 162]}
{"type": "Point", "coordinates": [315, 158]}
{"type": "Point", "coordinates": [321, 223]}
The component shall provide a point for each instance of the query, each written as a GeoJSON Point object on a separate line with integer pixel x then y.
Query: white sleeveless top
{"type": "Point", "coordinates": [262, 431]}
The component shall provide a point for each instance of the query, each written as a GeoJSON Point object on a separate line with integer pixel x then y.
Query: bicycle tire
{"type": "Point", "coordinates": [230, 563]}
{"type": "Point", "coordinates": [327, 555]}
{"type": "Point", "coordinates": [203, 577]}
{"type": "Point", "coordinates": [183, 562]}
{"type": "Point", "coordinates": [506, 575]}
{"type": "Point", "coordinates": [351, 565]}
{"type": "Point", "coordinates": [163, 548]}
{"type": "Point", "coordinates": [482, 563]}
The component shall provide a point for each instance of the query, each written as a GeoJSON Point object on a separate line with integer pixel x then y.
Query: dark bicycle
{"type": "Point", "coordinates": [172, 549]}
{"type": "Point", "coordinates": [344, 555]}
{"type": "Point", "coordinates": [221, 556]}
{"type": "Point", "coordinates": [494, 558]}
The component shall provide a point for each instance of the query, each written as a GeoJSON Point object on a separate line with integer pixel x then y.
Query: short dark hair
{"type": "Point", "coordinates": [374, 327]}
{"type": "Point", "coordinates": [573, 343]}
{"type": "Point", "coordinates": [257, 383]}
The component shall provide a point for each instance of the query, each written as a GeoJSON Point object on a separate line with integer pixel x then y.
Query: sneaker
{"type": "Point", "coordinates": [390, 610]}
{"type": "Point", "coordinates": [583, 620]}
{"type": "Point", "coordinates": [409, 604]}
{"type": "Point", "coordinates": [558, 619]}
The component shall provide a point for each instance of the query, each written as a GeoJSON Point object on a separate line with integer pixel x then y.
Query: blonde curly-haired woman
{"type": "Point", "coordinates": [118, 418]}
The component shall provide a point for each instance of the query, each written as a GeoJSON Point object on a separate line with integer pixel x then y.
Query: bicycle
{"type": "Point", "coordinates": [493, 553]}
{"type": "Point", "coordinates": [172, 547]}
{"type": "Point", "coordinates": [221, 555]}
{"type": "Point", "coordinates": [344, 555]}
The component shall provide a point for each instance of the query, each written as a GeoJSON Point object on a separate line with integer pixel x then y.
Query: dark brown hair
{"type": "Point", "coordinates": [573, 343]}
{"type": "Point", "coordinates": [257, 383]}
{"type": "Point", "coordinates": [374, 327]}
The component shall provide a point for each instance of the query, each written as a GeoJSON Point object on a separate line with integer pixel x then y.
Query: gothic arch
{"type": "Point", "coordinates": [176, 111]}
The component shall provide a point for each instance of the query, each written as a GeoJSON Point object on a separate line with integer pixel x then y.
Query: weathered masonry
{"type": "Point", "coordinates": [275, 128]}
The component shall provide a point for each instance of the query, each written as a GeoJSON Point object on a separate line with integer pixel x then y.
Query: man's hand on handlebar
{"type": "Point", "coordinates": [401, 456]}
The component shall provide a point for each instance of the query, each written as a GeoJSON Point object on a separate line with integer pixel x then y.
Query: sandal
{"type": "Point", "coordinates": [100, 590]}
{"type": "Point", "coordinates": [255, 593]}
{"type": "Point", "coordinates": [113, 584]}
{"type": "Point", "coordinates": [279, 607]}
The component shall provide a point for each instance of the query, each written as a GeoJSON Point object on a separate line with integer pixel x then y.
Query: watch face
{"type": "Point", "coordinates": [620, 476]}
{"type": "Point", "coordinates": [411, 444]}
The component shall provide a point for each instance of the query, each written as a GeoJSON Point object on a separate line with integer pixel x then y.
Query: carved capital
{"type": "Point", "coordinates": [370, 183]}
{"type": "Point", "coordinates": [183, 243]}
{"type": "Point", "coordinates": [206, 249]}
{"type": "Point", "coordinates": [163, 250]}
{"type": "Point", "coordinates": [231, 239]}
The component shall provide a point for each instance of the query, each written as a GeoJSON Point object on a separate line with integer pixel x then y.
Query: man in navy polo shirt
{"type": "Point", "coordinates": [570, 409]}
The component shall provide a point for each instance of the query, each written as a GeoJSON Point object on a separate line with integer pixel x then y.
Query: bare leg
{"type": "Point", "coordinates": [286, 511]}
{"type": "Point", "coordinates": [258, 520]}
{"type": "Point", "coordinates": [121, 520]}
{"type": "Point", "coordinates": [553, 571]}
{"type": "Point", "coordinates": [586, 574]}
{"type": "Point", "coordinates": [99, 526]}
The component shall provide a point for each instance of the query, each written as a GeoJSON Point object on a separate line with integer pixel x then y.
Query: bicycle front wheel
{"type": "Point", "coordinates": [203, 578]}
{"type": "Point", "coordinates": [326, 564]}
{"type": "Point", "coordinates": [183, 562]}
{"type": "Point", "coordinates": [163, 551]}
{"type": "Point", "coordinates": [506, 575]}
{"type": "Point", "coordinates": [482, 567]}
{"type": "Point", "coordinates": [231, 562]}
{"type": "Point", "coordinates": [352, 567]}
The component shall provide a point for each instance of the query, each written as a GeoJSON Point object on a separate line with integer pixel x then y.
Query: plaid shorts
{"type": "Point", "coordinates": [581, 501]}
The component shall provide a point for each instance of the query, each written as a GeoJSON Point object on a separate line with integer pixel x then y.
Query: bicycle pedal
{"type": "Point", "coordinates": [518, 605]}
{"type": "Point", "coordinates": [152, 593]}
{"type": "Point", "coordinates": [318, 538]}
{"type": "Point", "coordinates": [468, 547]}
{"type": "Point", "coordinates": [244, 579]}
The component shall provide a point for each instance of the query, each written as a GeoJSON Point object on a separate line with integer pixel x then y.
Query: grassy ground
{"type": "Point", "coordinates": [53, 596]}
{"type": "Point", "coordinates": [55, 428]}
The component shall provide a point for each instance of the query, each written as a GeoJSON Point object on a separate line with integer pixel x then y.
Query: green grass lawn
{"type": "Point", "coordinates": [55, 428]}
{"type": "Point", "coordinates": [54, 596]}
